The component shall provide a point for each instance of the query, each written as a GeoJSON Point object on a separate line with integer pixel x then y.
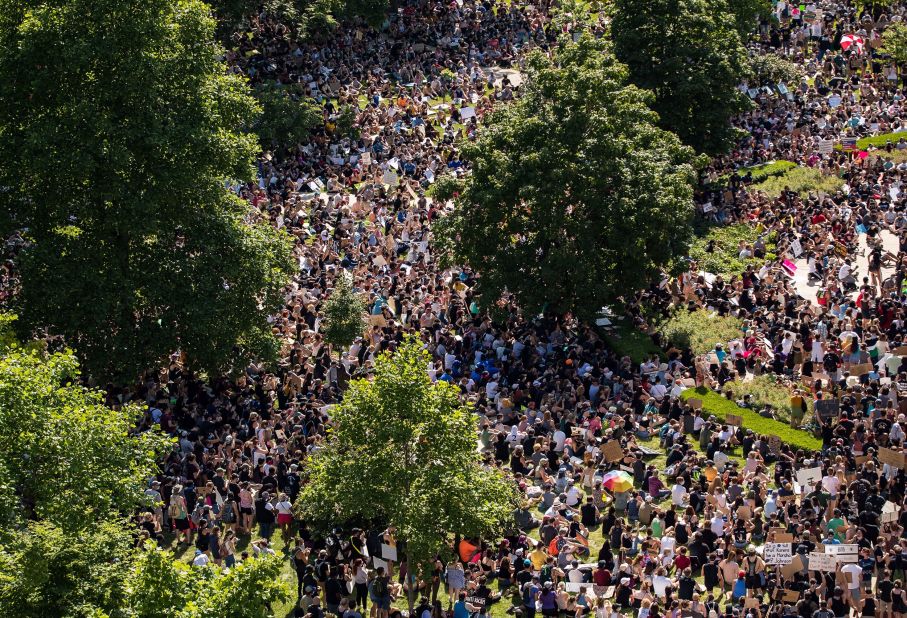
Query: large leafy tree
{"type": "Point", "coordinates": [119, 127]}
{"type": "Point", "coordinates": [575, 195]}
{"type": "Point", "coordinates": [690, 54]}
{"type": "Point", "coordinates": [402, 450]}
{"type": "Point", "coordinates": [65, 457]}
{"type": "Point", "coordinates": [344, 313]}
{"type": "Point", "coordinates": [894, 43]}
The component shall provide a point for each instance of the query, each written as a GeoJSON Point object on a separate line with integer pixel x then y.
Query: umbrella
{"type": "Point", "coordinates": [617, 481]}
{"type": "Point", "coordinates": [850, 40]}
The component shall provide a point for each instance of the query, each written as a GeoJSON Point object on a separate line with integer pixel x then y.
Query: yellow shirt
{"type": "Point", "coordinates": [538, 558]}
{"type": "Point", "coordinates": [710, 473]}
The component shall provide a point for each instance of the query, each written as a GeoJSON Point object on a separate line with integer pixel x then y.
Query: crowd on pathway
{"type": "Point", "coordinates": [597, 531]}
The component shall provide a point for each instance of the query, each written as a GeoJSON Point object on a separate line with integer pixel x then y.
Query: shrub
{"type": "Point", "coordinates": [879, 141]}
{"type": "Point", "coordinates": [713, 403]}
{"type": "Point", "coordinates": [772, 69]}
{"type": "Point", "coordinates": [800, 179]}
{"type": "Point", "coordinates": [699, 330]}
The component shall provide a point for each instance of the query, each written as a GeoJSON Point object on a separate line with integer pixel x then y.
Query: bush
{"type": "Point", "coordinates": [699, 330]}
{"type": "Point", "coordinates": [800, 179]}
{"type": "Point", "coordinates": [713, 403]}
{"type": "Point", "coordinates": [879, 141]}
{"type": "Point", "coordinates": [765, 390]}
{"type": "Point", "coordinates": [724, 258]}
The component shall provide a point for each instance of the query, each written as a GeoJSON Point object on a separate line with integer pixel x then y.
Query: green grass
{"type": "Point", "coordinates": [879, 140]}
{"type": "Point", "coordinates": [761, 171]}
{"type": "Point", "coordinates": [629, 341]}
{"type": "Point", "coordinates": [724, 258]}
{"type": "Point", "coordinates": [713, 403]}
{"type": "Point", "coordinates": [802, 180]}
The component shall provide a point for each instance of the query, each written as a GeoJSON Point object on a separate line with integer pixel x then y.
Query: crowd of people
{"type": "Point", "coordinates": [678, 522]}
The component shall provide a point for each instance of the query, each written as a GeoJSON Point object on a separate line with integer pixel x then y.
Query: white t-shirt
{"type": "Point", "coordinates": [200, 560]}
{"type": "Point", "coordinates": [856, 575]}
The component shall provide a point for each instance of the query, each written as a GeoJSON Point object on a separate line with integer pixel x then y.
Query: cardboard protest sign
{"type": "Point", "coordinates": [796, 248]}
{"type": "Point", "coordinates": [389, 552]}
{"type": "Point", "coordinates": [900, 351]}
{"type": "Point", "coordinates": [795, 566]}
{"type": "Point", "coordinates": [890, 457]}
{"type": "Point", "coordinates": [809, 477]}
{"type": "Point", "coordinates": [751, 602]}
{"type": "Point", "coordinates": [733, 419]}
{"type": "Point", "coordinates": [696, 404]}
{"type": "Point", "coordinates": [777, 553]}
{"type": "Point", "coordinates": [844, 553]}
{"type": "Point", "coordinates": [821, 562]}
{"type": "Point", "coordinates": [860, 369]}
{"type": "Point", "coordinates": [613, 451]}
{"type": "Point", "coordinates": [783, 537]}
{"type": "Point", "coordinates": [786, 596]}
{"type": "Point", "coordinates": [826, 146]}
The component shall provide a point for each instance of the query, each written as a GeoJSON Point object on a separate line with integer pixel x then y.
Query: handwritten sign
{"type": "Point", "coordinates": [696, 404]}
{"type": "Point", "coordinates": [777, 553]}
{"type": "Point", "coordinates": [733, 419]}
{"type": "Point", "coordinates": [821, 562]}
{"type": "Point", "coordinates": [809, 477]}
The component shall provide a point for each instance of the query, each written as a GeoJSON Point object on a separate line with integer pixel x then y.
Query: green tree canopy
{"type": "Point", "coordinates": [403, 450]}
{"type": "Point", "coordinates": [575, 195]}
{"type": "Point", "coordinates": [344, 313]}
{"type": "Point", "coordinates": [894, 43]}
{"type": "Point", "coordinates": [287, 118]}
{"type": "Point", "coordinates": [119, 128]}
{"type": "Point", "coordinates": [690, 54]}
{"type": "Point", "coordinates": [65, 457]}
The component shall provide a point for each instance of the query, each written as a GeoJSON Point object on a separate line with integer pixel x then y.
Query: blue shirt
{"type": "Point", "coordinates": [460, 610]}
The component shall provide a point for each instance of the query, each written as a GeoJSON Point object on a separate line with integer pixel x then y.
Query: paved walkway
{"type": "Point", "coordinates": [808, 289]}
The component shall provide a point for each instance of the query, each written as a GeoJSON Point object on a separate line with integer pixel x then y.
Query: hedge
{"type": "Point", "coordinates": [760, 171]}
{"type": "Point", "coordinates": [880, 140]}
{"type": "Point", "coordinates": [713, 403]}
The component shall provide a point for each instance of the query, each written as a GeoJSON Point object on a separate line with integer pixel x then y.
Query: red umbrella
{"type": "Point", "coordinates": [852, 40]}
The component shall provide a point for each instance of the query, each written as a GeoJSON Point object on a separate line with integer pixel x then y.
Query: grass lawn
{"type": "Point", "coordinates": [713, 403]}
{"type": "Point", "coordinates": [879, 141]}
{"type": "Point", "coordinates": [761, 171]}
{"type": "Point", "coordinates": [802, 180]}
{"type": "Point", "coordinates": [629, 341]}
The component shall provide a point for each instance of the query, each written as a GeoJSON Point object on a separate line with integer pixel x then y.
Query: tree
{"type": "Point", "coordinates": [286, 119]}
{"type": "Point", "coordinates": [122, 126]}
{"type": "Point", "coordinates": [894, 43]}
{"type": "Point", "coordinates": [45, 571]}
{"type": "Point", "coordinates": [689, 53]}
{"type": "Point", "coordinates": [772, 69]}
{"type": "Point", "coordinates": [343, 313]}
{"type": "Point", "coordinates": [159, 585]}
{"type": "Point", "coordinates": [65, 457]}
{"type": "Point", "coordinates": [575, 196]}
{"type": "Point", "coordinates": [747, 14]}
{"type": "Point", "coordinates": [402, 451]}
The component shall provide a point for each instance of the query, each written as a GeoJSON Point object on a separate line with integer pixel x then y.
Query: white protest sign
{"type": "Point", "coordinates": [809, 477]}
{"type": "Point", "coordinates": [467, 112]}
{"type": "Point", "coordinates": [777, 553]}
{"type": "Point", "coordinates": [389, 552]}
{"type": "Point", "coordinates": [844, 553]}
{"type": "Point", "coordinates": [821, 562]}
{"type": "Point", "coordinates": [826, 146]}
{"type": "Point", "coordinates": [796, 248]}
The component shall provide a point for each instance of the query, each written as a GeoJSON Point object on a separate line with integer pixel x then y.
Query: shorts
{"type": "Point", "coordinates": [182, 524]}
{"type": "Point", "coordinates": [855, 593]}
{"type": "Point", "coordinates": [383, 602]}
{"type": "Point", "coordinates": [247, 510]}
{"type": "Point", "coordinates": [284, 518]}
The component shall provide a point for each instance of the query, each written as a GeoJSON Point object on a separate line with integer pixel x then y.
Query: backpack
{"type": "Point", "coordinates": [545, 574]}
{"type": "Point", "coordinates": [379, 587]}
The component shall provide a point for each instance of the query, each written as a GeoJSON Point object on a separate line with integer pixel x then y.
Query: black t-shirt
{"type": "Point", "coordinates": [262, 514]}
{"type": "Point", "coordinates": [333, 591]}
